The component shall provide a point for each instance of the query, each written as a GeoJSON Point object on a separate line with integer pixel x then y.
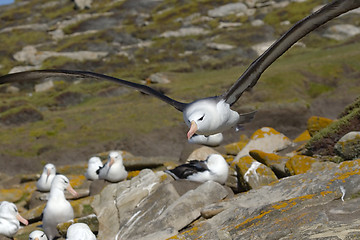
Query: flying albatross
{"type": "Point", "coordinates": [213, 115]}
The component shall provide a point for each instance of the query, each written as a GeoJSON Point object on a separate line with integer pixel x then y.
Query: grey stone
{"type": "Point", "coordinates": [348, 146]}
{"type": "Point", "coordinates": [230, 8]}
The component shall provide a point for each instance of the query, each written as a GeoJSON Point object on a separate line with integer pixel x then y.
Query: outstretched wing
{"type": "Point", "coordinates": [249, 78]}
{"type": "Point", "coordinates": [72, 74]}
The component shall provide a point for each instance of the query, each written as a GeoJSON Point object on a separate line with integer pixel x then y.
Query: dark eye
{"type": "Point", "coordinates": [200, 119]}
{"type": "Point", "coordinates": [66, 181]}
{"type": "Point", "coordinates": [43, 235]}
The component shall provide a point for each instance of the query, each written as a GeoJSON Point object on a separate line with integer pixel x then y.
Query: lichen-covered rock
{"type": "Point", "coordinates": [11, 195]}
{"type": "Point", "coordinates": [201, 153]}
{"type": "Point", "coordinates": [315, 124]}
{"type": "Point", "coordinates": [234, 148]}
{"type": "Point", "coordinates": [272, 160]}
{"type": "Point", "coordinates": [267, 140]}
{"type": "Point", "coordinates": [299, 164]}
{"type": "Point", "coordinates": [309, 199]}
{"type": "Point", "coordinates": [323, 142]}
{"type": "Point", "coordinates": [348, 147]}
{"type": "Point", "coordinates": [303, 137]}
{"type": "Point", "coordinates": [252, 174]}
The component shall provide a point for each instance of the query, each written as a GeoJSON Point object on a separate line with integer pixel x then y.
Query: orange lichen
{"type": "Point", "coordinates": [252, 220]}
{"type": "Point", "coordinates": [77, 180]}
{"type": "Point", "coordinates": [299, 164]}
{"type": "Point", "coordinates": [315, 124]}
{"type": "Point", "coordinates": [304, 136]}
{"type": "Point", "coordinates": [132, 174]}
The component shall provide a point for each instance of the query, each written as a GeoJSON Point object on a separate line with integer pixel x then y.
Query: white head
{"type": "Point", "coordinates": [61, 183]}
{"type": "Point", "coordinates": [95, 161]}
{"type": "Point", "coordinates": [9, 212]}
{"type": "Point", "coordinates": [49, 170]}
{"type": "Point", "coordinates": [201, 116]}
{"type": "Point", "coordinates": [209, 116]}
{"type": "Point", "coordinates": [217, 164]}
{"type": "Point", "coordinates": [114, 157]}
{"type": "Point", "coordinates": [37, 235]}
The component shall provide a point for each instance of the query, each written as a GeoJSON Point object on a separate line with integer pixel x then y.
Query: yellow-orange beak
{"type": "Point", "coordinates": [22, 220]}
{"type": "Point", "coordinates": [72, 191]}
{"type": "Point", "coordinates": [192, 130]}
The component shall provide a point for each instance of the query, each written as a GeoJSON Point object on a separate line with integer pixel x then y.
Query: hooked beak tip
{"type": "Point", "coordinates": [192, 130]}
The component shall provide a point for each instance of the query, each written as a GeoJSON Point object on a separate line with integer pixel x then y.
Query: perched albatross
{"type": "Point", "coordinates": [79, 231]}
{"type": "Point", "coordinates": [214, 168]}
{"type": "Point", "coordinates": [94, 164]}
{"type": "Point", "coordinates": [46, 178]}
{"type": "Point", "coordinates": [213, 115]}
{"type": "Point", "coordinates": [9, 219]}
{"type": "Point", "coordinates": [113, 170]}
{"type": "Point", "coordinates": [37, 235]}
{"type": "Point", "coordinates": [57, 209]}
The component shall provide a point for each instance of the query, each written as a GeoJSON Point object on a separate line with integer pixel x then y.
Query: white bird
{"type": "Point", "coordinates": [113, 170]}
{"type": "Point", "coordinates": [214, 168]}
{"type": "Point", "coordinates": [79, 231]}
{"type": "Point", "coordinates": [9, 219]}
{"type": "Point", "coordinates": [57, 209]}
{"type": "Point", "coordinates": [213, 115]}
{"type": "Point", "coordinates": [46, 178]}
{"type": "Point", "coordinates": [37, 235]}
{"type": "Point", "coordinates": [94, 164]}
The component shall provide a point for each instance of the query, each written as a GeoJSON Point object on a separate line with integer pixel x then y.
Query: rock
{"type": "Point", "coordinates": [303, 137]}
{"type": "Point", "coordinates": [257, 23]}
{"type": "Point", "coordinates": [315, 124]}
{"type": "Point", "coordinates": [261, 47]}
{"type": "Point", "coordinates": [121, 199]}
{"type": "Point", "coordinates": [11, 195]}
{"type": "Point", "coordinates": [275, 162]}
{"type": "Point", "coordinates": [83, 4]}
{"type": "Point", "coordinates": [348, 147]}
{"type": "Point", "coordinates": [29, 54]}
{"type": "Point", "coordinates": [220, 46]}
{"type": "Point", "coordinates": [201, 153]}
{"type": "Point", "coordinates": [182, 32]}
{"type": "Point", "coordinates": [23, 68]}
{"type": "Point", "coordinates": [158, 78]}
{"type": "Point", "coordinates": [180, 213]}
{"type": "Point", "coordinates": [229, 25]}
{"type": "Point", "coordinates": [44, 86]}
{"type": "Point", "coordinates": [299, 164]}
{"type": "Point", "coordinates": [230, 8]}
{"type": "Point", "coordinates": [234, 148]}
{"type": "Point", "coordinates": [310, 199]}
{"type": "Point", "coordinates": [341, 32]}
{"type": "Point", "coordinates": [252, 174]}
{"type": "Point", "coordinates": [265, 139]}
{"type": "Point", "coordinates": [12, 89]}
{"type": "Point", "coordinates": [323, 142]}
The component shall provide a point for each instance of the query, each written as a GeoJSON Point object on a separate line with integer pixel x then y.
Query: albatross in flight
{"type": "Point", "coordinates": [213, 115]}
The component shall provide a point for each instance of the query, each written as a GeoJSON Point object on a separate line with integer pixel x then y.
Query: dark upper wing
{"type": "Point", "coordinates": [188, 169]}
{"type": "Point", "coordinates": [71, 74]}
{"type": "Point", "coordinates": [249, 78]}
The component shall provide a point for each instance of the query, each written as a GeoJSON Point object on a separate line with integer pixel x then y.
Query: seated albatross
{"type": "Point", "coordinates": [213, 115]}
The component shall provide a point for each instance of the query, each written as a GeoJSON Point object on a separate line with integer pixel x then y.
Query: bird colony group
{"type": "Point", "coordinates": [206, 118]}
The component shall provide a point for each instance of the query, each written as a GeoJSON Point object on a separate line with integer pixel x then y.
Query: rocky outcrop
{"type": "Point", "coordinates": [265, 185]}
